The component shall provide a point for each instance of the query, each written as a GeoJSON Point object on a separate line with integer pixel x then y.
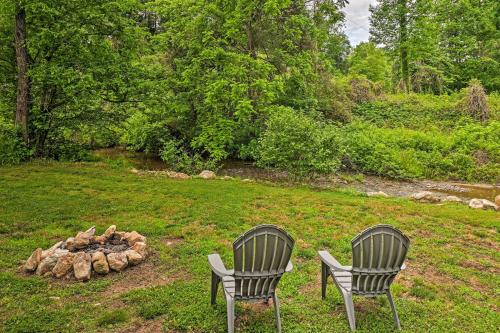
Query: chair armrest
{"type": "Point", "coordinates": [289, 267]}
{"type": "Point", "coordinates": [331, 262]}
{"type": "Point", "coordinates": [217, 266]}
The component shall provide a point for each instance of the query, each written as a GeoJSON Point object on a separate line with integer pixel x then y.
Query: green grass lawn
{"type": "Point", "coordinates": [451, 284]}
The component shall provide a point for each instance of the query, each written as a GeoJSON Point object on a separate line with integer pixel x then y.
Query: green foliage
{"type": "Point", "coordinates": [471, 152]}
{"type": "Point", "coordinates": [372, 62]}
{"type": "Point", "coordinates": [299, 143]}
{"type": "Point", "coordinates": [81, 68]}
{"type": "Point", "coordinates": [445, 43]}
{"type": "Point", "coordinates": [12, 149]}
{"type": "Point", "coordinates": [141, 134]}
{"type": "Point", "coordinates": [180, 158]}
{"type": "Point", "coordinates": [198, 82]}
{"type": "Point", "coordinates": [361, 90]}
{"type": "Point", "coordinates": [227, 64]}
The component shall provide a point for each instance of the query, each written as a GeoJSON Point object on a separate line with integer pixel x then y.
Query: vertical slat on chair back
{"type": "Point", "coordinates": [260, 258]}
{"type": "Point", "coordinates": [377, 256]}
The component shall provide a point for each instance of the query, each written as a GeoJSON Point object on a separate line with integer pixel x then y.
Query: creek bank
{"type": "Point", "coordinates": [441, 191]}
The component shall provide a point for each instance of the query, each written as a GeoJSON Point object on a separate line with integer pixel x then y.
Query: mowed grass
{"type": "Point", "coordinates": [451, 284]}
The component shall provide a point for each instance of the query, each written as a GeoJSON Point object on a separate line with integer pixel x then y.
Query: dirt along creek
{"type": "Point", "coordinates": [364, 183]}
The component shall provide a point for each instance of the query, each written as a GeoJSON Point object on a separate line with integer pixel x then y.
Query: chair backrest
{"type": "Point", "coordinates": [260, 258]}
{"type": "Point", "coordinates": [377, 256]}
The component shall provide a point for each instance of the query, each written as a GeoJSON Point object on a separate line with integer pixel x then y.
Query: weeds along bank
{"type": "Point", "coordinates": [424, 136]}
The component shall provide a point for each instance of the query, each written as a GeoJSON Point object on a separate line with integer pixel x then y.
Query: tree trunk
{"type": "Point", "coordinates": [23, 85]}
{"type": "Point", "coordinates": [403, 39]}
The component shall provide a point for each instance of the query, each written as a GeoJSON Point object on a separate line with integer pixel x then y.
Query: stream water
{"type": "Point", "coordinates": [243, 170]}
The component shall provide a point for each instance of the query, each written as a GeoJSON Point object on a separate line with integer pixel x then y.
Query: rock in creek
{"type": "Point", "coordinates": [377, 194]}
{"type": "Point", "coordinates": [177, 175]}
{"type": "Point", "coordinates": [207, 174]}
{"type": "Point", "coordinates": [425, 196]}
{"type": "Point", "coordinates": [482, 204]}
{"type": "Point", "coordinates": [452, 198]}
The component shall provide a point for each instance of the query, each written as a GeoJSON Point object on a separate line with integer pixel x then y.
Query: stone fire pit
{"type": "Point", "coordinates": [85, 254]}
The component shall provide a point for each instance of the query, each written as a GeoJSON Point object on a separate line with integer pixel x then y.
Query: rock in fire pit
{"type": "Point", "coordinates": [85, 254]}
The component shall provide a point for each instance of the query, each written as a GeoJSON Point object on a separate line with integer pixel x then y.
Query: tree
{"type": "Point", "coordinates": [368, 60]}
{"type": "Point", "coordinates": [469, 39]}
{"type": "Point", "coordinates": [391, 21]}
{"type": "Point", "coordinates": [74, 63]}
{"type": "Point", "coordinates": [23, 84]}
{"type": "Point", "coordinates": [226, 63]}
{"type": "Point", "coordinates": [439, 45]}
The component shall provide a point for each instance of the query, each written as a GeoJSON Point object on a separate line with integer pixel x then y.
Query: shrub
{"type": "Point", "coordinates": [182, 158]}
{"type": "Point", "coordinates": [415, 111]}
{"type": "Point", "coordinates": [427, 79]}
{"type": "Point", "coordinates": [141, 134]}
{"type": "Point", "coordinates": [472, 152]}
{"type": "Point", "coordinates": [298, 143]}
{"type": "Point", "coordinates": [361, 90]}
{"type": "Point", "coordinates": [475, 101]}
{"type": "Point", "coordinates": [12, 149]}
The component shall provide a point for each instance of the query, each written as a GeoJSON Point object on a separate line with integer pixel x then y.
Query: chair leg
{"type": "Point", "coordinates": [276, 303]}
{"type": "Point", "coordinates": [393, 308]}
{"type": "Point", "coordinates": [213, 290]}
{"type": "Point", "coordinates": [324, 279]}
{"type": "Point", "coordinates": [230, 314]}
{"type": "Point", "coordinates": [349, 307]}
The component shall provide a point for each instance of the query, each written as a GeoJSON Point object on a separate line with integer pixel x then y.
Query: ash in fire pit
{"type": "Point", "coordinates": [85, 254]}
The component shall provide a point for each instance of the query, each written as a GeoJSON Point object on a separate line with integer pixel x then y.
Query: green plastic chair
{"type": "Point", "coordinates": [261, 257]}
{"type": "Point", "coordinates": [378, 254]}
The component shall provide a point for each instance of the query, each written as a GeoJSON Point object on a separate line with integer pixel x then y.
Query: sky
{"type": "Point", "coordinates": [357, 24]}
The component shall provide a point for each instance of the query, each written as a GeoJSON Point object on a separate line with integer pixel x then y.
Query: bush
{"type": "Point", "coordinates": [181, 158]}
{"type": "Point", "coordinates": [298, 143]}
{"type": "Point", "coordinates": [142, 134]}
{"type": "Point", "coordinates": [475, 101]}
{"type": "Point", "coordinates": [472, 152]}
{"type": "Point", "coordinates": [361, 90]}
{"type": "Point", "coordinates": [12, 149]}
{"type": "Point", "coordinates": [413, 111]}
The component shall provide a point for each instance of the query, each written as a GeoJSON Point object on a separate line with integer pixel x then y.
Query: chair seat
{"type": "Point", "coordinates": [343, 279]}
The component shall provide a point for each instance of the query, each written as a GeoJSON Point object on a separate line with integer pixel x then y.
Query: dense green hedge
{"type": "Point", "coordinates": [298, 143]}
